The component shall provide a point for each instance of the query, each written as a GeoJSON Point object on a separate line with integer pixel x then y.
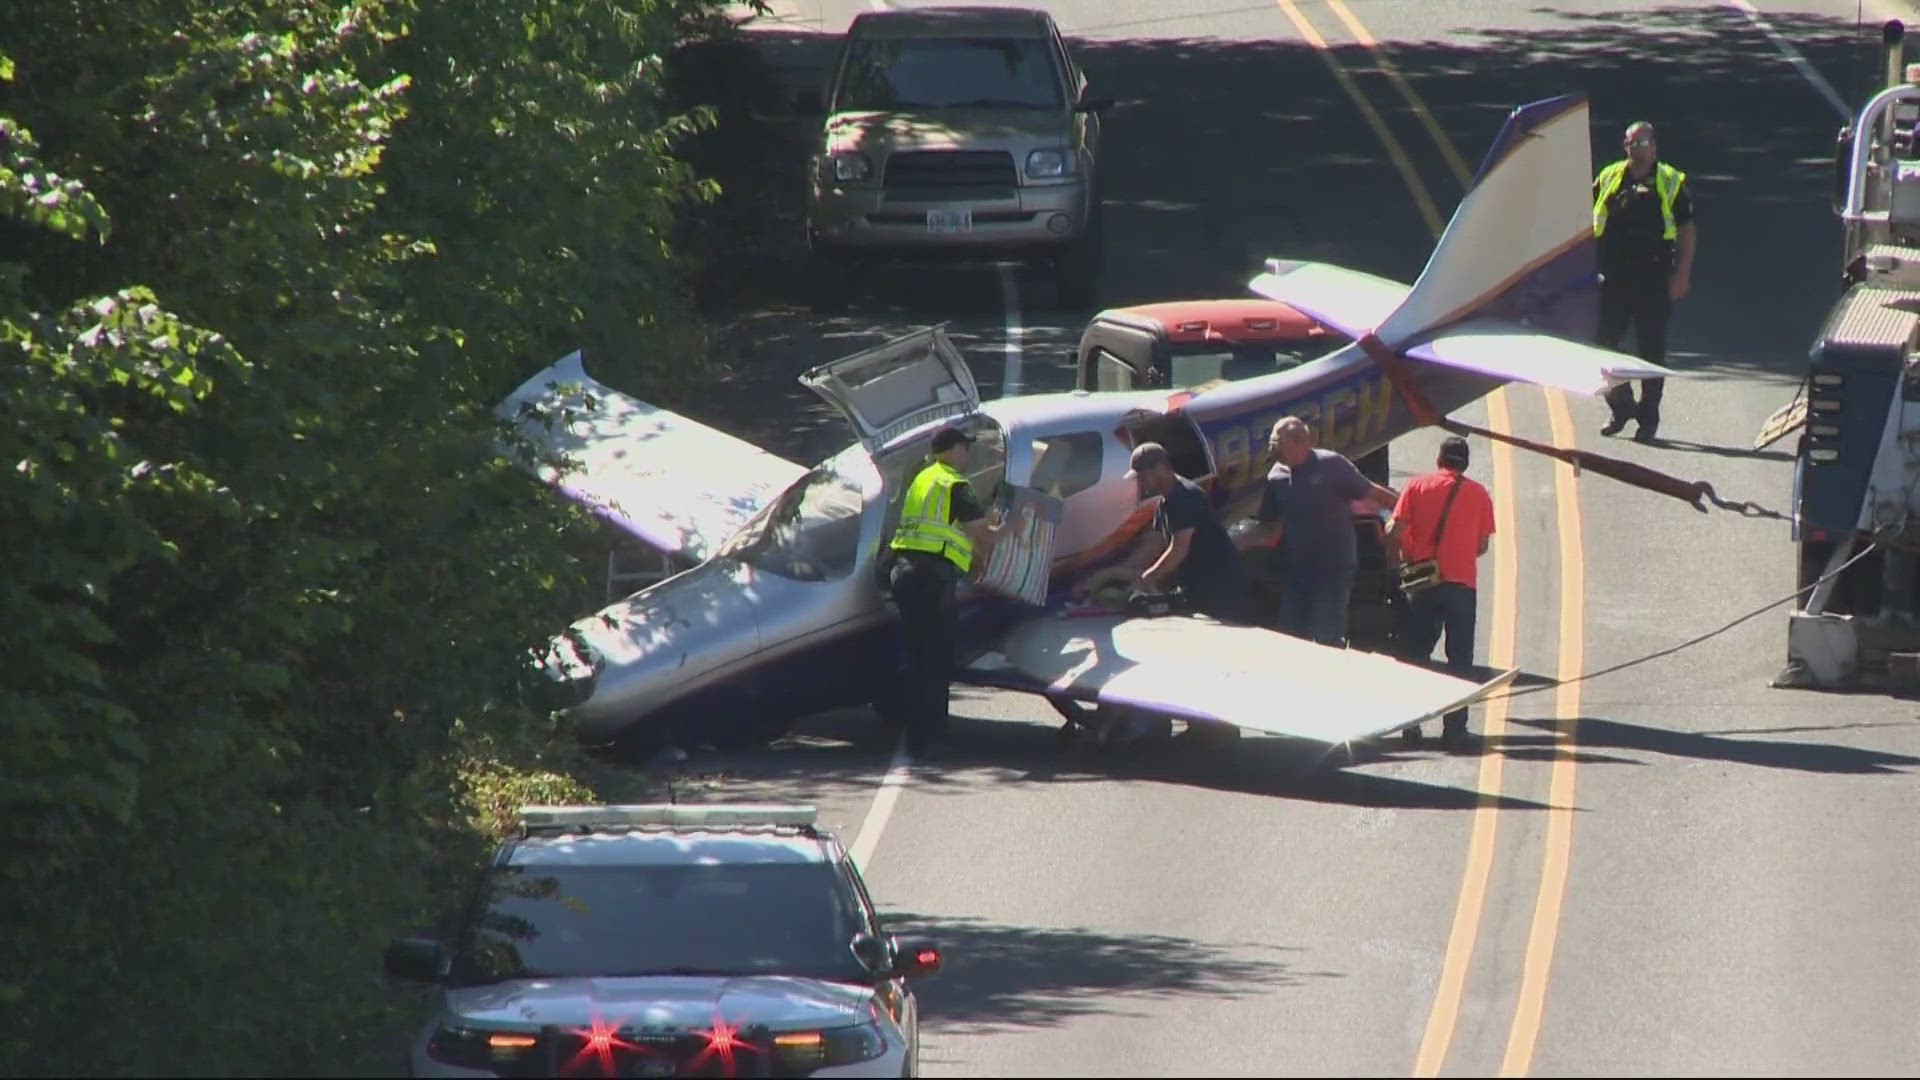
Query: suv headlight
{"type": "Point", "coordinates": [796, 1053]}
{"type": "Point", "coordinates": [1048, 164]}
{"type": "Point", "coordinates": [846, 168]}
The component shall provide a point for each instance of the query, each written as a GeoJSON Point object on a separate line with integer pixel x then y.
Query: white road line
{"type": "Point", "coordinates": [882, 807]}
{"type": "Point", "coordinates": [1793, 57]}
{"type": "Point", "coordinates": [1010, 381]}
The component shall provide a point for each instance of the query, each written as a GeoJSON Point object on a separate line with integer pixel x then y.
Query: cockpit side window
{"type": "Point", "coordinates": [1066, 465]}
{"type": "Point", "coordinates": [810, 533]}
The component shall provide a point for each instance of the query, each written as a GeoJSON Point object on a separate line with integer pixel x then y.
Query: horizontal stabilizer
{"type": "Point", "coordinates": [1509, 351]}
{"type": "Point", "coordinates": [678, 485]}
{"type": "Point", "coordinates": [1349, 301]}
{"type": "Point", "coordinates": [1252, 678]}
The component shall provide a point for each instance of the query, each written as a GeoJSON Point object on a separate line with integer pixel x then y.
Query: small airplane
{"type": "Point", "coordinates": [783, 613]}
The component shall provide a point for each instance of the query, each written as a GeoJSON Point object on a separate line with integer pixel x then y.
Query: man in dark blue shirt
{"type": "Point", "coordinates": [1197, 556]}
{"type": "Point", "coordinates": [1308, 507]}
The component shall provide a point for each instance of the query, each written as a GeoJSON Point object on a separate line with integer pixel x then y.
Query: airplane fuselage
{"type": "Point", "coordinates": [737, 649]}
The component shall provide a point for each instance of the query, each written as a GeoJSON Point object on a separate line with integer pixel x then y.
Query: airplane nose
{"type": "Point", "coordinates": [653, 650]}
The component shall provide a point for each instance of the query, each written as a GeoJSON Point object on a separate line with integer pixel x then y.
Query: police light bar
{"type": "Point", "coordinates": [669, 815]}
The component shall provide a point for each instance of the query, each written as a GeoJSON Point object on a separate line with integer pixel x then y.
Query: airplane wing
{"type": "Point", "coordinates": [1350, 301]}
{"type": "Point", "coordinates": [1508, 350]}
{"type": "Point", "coordinates": [678, 485]}
{"type": "Point", "coordinates": [1197, 669]}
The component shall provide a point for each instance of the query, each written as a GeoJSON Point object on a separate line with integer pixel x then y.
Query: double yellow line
{"type": "Point", "coordinates": [1523, 1036]}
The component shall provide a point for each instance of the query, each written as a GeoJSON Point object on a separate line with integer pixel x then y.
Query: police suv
{"type": "Point", "coordinates": [667, 940]}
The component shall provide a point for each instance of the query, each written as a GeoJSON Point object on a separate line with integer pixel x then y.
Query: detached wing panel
{"type": "Point", "coordinates": [1245, 676]}
{"type": "Point", "coordinates": [678, 485]}
{"type": "Point", "coordinates": [1507, 350]}
{"type": "Point", "coordinates": [1349, 301]}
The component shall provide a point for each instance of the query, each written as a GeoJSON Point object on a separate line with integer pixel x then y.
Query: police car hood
{"type": "Point", "coordinates": [664, 1003]}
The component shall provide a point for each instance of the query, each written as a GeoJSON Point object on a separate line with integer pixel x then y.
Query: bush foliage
{"type": "Point", "coordinates": [269, 588]}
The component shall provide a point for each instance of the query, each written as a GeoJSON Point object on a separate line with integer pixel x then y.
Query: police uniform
{"type": "Point", "coordinates": [933, 552]}
{"type": "Point", "coordinates": [1636, 223]}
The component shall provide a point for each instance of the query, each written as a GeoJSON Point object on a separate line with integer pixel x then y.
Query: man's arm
{"type": "Point", "coordinates": [1682, 278]}
{"type": "Point", "coordinates": [1397, 523]}
{"type": "Point", "coordinates": [968, 515]}
{"type": "Point", "coordinates": [1184, 511]}
{"type": "Point", "coordinates": [1168, 564]}
{"type": "Point", "coordinates": [1267, 522]}
{"type": "Point", "coordinates": [1357, 486]}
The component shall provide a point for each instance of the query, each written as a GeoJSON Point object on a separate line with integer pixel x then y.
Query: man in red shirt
{"type": "Point", "coordinates": [1452, 604]}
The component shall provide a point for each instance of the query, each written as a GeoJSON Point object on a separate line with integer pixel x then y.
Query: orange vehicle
{"type": "Point", "coordinates": [1192, 344]}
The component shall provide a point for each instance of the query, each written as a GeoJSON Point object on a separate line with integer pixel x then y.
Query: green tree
{"type": "Point", "coordinates": [271, 589]}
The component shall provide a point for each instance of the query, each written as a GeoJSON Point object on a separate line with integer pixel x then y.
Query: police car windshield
{"type": "Point", "coordinates": [810, 533]}
{"type": "Point", "coordinates": [884, 74]}
{"type": "Point", "coordinates": [565, 922]}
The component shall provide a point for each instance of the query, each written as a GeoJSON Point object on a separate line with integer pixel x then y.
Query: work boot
{"type": "Point", "coordinates": [1614, 426]}
{"type": "Point", "coordinates": [1458, 740]}
{"type": "Point", "coordinates": [1646, 432]}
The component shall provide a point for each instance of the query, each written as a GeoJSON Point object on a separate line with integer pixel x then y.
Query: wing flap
{"type": "Point", "coordinates": [678, 485]}
{"type": "Point", "coordinates": [1245, 676]}
{"type": "Point", "coordinates": [1350, 301]}
{"type": "Point", "coordinates": [1507, 350]}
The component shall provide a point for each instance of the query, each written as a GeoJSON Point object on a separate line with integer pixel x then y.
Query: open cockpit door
{"type": "Point", "coordinates": [1186, 444]}
{"type": "Point", "coordinates": [891, 389]}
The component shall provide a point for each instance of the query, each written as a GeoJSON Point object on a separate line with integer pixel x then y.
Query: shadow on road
{"type": "Point", "coordinates": [846, 751]}
{"type": "Point", "coordinates": [999, 977]}
{"type": "Point", "coordinates": [1800, 756]}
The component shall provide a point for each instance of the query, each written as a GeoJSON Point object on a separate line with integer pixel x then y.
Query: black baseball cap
{"type": "Point", "coordinates": [1453, 451]}
{"type": "Point", "coordinates": [949, 437]}
{"type": "Point", "coordinates": [1148, 455]}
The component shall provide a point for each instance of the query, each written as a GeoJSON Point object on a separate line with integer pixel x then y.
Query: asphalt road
{"type": "Point", "coordinates": [1669, 870]}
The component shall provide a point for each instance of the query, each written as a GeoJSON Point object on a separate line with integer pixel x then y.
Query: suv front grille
{"type": "Point", "coordinates": [978, 174]}
{"type": "Point", "coordinates": [564, 1052]}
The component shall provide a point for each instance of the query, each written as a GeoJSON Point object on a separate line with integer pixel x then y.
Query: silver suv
{"type": "Point", "coordinates": [675, 940]}
{"type": "Point", "coordinates": [957, 133]}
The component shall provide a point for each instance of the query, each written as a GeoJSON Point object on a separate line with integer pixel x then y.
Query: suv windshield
{"type": "Point", "coordinates": [810, 533]}
{"type": "Point", "coordinates": [563, 922]}
{"type": "Point", "coordinates": [885, 74]}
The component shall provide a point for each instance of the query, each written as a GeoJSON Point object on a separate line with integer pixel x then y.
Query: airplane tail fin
{"type": "Point", "coordinates": [1520, 246]}
{"type": "Point", "coordinates": [1512, 288]}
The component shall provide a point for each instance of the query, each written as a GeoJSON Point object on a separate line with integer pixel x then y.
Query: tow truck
{"type": "Point", "coordinates": [1857, 465]}
{"type": "Point", "coordinates": [1195, 343]}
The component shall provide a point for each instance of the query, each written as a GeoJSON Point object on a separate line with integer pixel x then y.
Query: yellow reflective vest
{"type": "Point", "coordinates": [1666, 182]}
{"type": "Point", "coordinates": [926, 517]}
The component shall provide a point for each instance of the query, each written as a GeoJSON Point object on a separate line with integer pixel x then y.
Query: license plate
{"type": "Point", "coordinates": [949, 221]}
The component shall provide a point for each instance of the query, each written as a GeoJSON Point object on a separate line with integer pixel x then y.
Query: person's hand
{"type": "Point", "coordinates": [1677, 284]}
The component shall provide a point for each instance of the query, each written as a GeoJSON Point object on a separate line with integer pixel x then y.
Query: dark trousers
{"type": "Point", "coordinates": [925, 589]}
{"type": "Point", "coordinates": [1314, 605]}
{"type": "Point", "coordinates": [1452, 608]}
{"type": "Point", "coordinates": [1636, 298]}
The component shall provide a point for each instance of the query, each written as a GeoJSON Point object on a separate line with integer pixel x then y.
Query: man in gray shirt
{"type": "Point", "coordinates": [1308, 506]}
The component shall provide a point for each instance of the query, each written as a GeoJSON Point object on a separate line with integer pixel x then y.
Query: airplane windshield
{"type": "Point", "coordinates": [810, 533]}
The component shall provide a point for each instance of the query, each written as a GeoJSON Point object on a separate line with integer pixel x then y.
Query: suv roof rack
{"type": "Point", "coordinates": [711, 816]}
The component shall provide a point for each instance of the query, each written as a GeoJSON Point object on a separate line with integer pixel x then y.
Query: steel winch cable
{"type": "Point", "coordinates": [1872, 545]}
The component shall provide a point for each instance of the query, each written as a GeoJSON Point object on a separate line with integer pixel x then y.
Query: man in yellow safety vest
{"type": "Point", "coordinates": [1643, 223]}
{"type": "Point", "coordinates": [941, 523]}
